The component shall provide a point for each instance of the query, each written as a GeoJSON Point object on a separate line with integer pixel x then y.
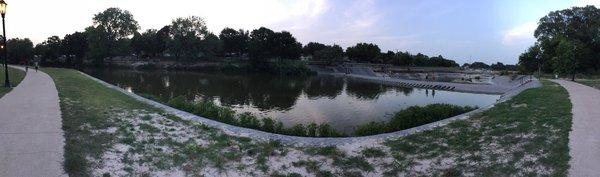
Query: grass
{"type": "Point", "coordinates": [90, 109]}
{"type": "Point", "coordinates": [590, 82]}
{"type": "Point", "coordinates": [525, 136]}
{"type": "Point", "coordinates": [15, 76]}
{"type": "Point", "coordinates": [85, 102]}
{"type": "Point", "coordinates": [514, 138]}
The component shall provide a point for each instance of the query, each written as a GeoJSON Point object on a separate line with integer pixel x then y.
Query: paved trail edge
{"type": "Point", "coordinates": [584, 139]}
{"type": "Point", "coordinates": [31, 138]}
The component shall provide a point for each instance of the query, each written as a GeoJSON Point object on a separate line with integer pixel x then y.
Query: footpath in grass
{"type": "Point", "coordinates": [15, 76]}
{"type": "Point", "coordinates": [110, 134]}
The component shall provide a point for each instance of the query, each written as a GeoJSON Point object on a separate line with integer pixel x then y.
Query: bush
{"type": "Point", "coordinates": [297, 130]}
{"type": "Point", "coordinates": [326, 131]}
{"type": "Point", "coordinates": [179, 102]}
{"type": "Point", "coordinates": [268, 124]}
{"type": "Point", "coordinates": [249, 121]}
{"type": "Point", "coordinates": [412, 117]}
{"type": "Point", "coordinates": [311, 129]}
{"type": "Point", "coordinates": [372, 128]}
{"type": "Point", "coordinates": [279, 128]}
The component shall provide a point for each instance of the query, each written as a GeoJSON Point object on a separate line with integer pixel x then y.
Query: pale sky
{"type": "Point", "coordinates": [463, 30]}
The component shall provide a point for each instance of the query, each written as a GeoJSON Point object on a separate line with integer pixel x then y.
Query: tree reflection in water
{"type": "Point", "coordinates": [344, 103]}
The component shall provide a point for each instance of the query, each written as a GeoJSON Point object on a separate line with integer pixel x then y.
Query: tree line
{"type": "Point", "coordinates": [498, 66]}
{"type": "Point", "coordinates": [114, 32]}
{"type": "Point", "coordinates": [568, 43]}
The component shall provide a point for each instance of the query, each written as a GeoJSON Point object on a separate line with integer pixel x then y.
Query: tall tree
{"type": "Point", "coordinates": [49, 50]}
{"type": "Point", "coordinates": [147, 44]}
{"type": "Point", "coordinates": [99, 45]}
{"type": "Point", "coordinates": [569, 57]}
{"type": "Point", "coordinates": [286, 46]}
{"type": "Point", "coordinates": [364, 52]}
{"type": "Point", "coordinates": [106, 36]}
{"type": "Point", "coordinates": [312, 47]}
{"type": "Point", "coordinates": [479, 65]}
{"type": "Point", "coordinates": [330, 54]}
{"type": "Point", "coordinates": [117, 23]}
{"type": "Point", "coordinates": [577, 27]}
{"type": "Point", "coordinates": [211, 46]}
{"type": "Point", "coordinates": [75, 47]}
{"type": "Point", "coordinates": [261, 45]}
{"type": "Point", "coordinates": [19, 50]}
{"type": "Point", "coordinates": [404, 59]}
{"type": "Point", "coordinates": [530, 61]}
{"type": "Point", "coordinates": [235, 42]}
{"type": "Point", "coordinates": [186, 34]}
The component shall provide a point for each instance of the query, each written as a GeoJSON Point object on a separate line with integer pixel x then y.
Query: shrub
{"type": "Point", "coordinates": [279, 128]}
{"type": "Point", "coordinates": [179, 102]}
{"type": "Point", "coordinates": [371, 128]}
{"type": "Point", "coordinates": [411, 117]}
{"type": "Point", "coordinates": [249, 121]}
{"type": "Point", "coordinates": [268, 125]}
{"type": "Point", "coordinates": [311, 129]}
{"type": "Point", "coordinates": [297, 130]}
{"type": "Point", "coordinates": [326, 131]}
{"type": "Point", "coordinates": [415, 115]}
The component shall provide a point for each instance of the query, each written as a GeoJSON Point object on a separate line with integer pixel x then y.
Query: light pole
{"type": "Point", "coordinates": [3, 13]}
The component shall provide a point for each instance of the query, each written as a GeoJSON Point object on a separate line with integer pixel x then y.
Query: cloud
{"type": "Point", "coordinates": [344, 23]}
{"type": "Point", "coordinates": [520, 34]}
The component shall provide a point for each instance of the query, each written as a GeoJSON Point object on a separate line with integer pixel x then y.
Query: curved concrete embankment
{"type": "Point", "coordinates": [311, 141]}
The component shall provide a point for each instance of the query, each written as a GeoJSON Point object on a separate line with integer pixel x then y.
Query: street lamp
{"type": "Point", "coordinates": [3, 13]}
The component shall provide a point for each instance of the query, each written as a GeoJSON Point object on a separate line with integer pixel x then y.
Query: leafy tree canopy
{"type": "Point", "coordinates": [116, 22]}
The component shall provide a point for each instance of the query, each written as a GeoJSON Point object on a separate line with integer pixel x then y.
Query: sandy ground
{"type": "Point", "coordinates": [31, 139]}
{"type": "Point", "coordinates": [584, 142]}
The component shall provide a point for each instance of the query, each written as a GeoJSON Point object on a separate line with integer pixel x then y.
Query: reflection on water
{"type": "Point", "coordinates": [343, 103]}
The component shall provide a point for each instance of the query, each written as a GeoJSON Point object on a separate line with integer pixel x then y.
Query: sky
{"type": "Point", "coordinates": [464, 30]}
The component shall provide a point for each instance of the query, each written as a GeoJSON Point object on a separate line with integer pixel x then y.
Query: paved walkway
{"type": "Point", "coordinates": [31, 138]}
{"type": "Point", "coordinates": [584, 138]}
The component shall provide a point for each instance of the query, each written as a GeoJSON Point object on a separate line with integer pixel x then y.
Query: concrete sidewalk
{"type": "Point", "coordinates": [31, 138]}
{"type": "Point", "coordinates": [584, 138]}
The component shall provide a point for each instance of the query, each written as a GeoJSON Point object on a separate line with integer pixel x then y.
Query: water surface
{"type": "Point", "coordinates": [341, 102]}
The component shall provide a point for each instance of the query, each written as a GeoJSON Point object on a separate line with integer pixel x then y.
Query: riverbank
{"type": "Point", "coordinates": [108, 132]}
{"type": "Point", "coordinates": [279, 67]}
{"type": "Point", "coordinates": [15, 75]}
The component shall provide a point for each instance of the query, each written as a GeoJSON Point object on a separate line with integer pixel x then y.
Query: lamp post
{"type": "Point", "coordinates": [3, 13]}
